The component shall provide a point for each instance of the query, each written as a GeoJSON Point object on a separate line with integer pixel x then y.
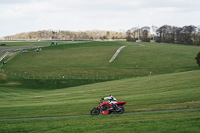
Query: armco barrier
{"type": "Point", "coordinates": [3, 56]}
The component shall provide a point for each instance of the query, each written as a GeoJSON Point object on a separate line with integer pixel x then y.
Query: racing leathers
{"type": "Point", "coordinates": [111, 100]}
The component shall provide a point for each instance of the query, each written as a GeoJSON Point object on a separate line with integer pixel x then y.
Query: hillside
{"type": "Point", "coordinates": [91, 60]}
{"type": "Point", "coordinates": [32, 86]}
{"type": "Point", "coordinates": [66, 35]}
{"type": "Point", "coordinates": [161, 92]}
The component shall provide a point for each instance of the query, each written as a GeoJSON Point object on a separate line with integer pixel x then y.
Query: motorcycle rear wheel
{"type": "Point", "coordinates": [95, 111]}
{"type": "Point", "coordinates": [121, 111]}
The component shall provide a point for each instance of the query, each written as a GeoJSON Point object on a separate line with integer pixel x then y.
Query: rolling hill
{"type": "Point", "coordinates": [88, 76]}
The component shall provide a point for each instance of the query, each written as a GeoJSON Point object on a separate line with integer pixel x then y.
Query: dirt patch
{"type": "Point", "coordinates": [3, 76]}
{"type": "Point", "coordinates": [12, 83]}
{"type": "Point", "coordinates": [12, 54]}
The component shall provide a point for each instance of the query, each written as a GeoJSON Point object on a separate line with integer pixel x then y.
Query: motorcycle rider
{"type": "Point", "coordinates": [111, 100]}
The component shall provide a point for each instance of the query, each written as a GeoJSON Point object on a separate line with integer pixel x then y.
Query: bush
{"type": "Point", "coordinates": [197, 43]}
{"type": "Point", "coordinates": [198, 59]}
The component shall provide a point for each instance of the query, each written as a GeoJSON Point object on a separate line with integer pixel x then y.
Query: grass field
{"type": "Point", "coordinates": [88, 60]}
{"type": "Point", "coordinates": [162, 92]}
{"type": "Point", "coordinates": [1, 53]}
{"type": "Point", "coordinates": [25, 43]}
{"type": "Point", "coordinates": [173, 84]}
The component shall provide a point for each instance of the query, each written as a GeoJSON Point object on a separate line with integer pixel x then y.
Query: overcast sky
{"type": "Point", "coordinates": [79, 15]}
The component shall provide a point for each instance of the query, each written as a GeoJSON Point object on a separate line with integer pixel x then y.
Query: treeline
{"type": "Point", "coordinates": [67, 35]}
{"type": "Point", "coordinates": [136, 33]}
{"type": "Point", "coordinates": [189, 35]}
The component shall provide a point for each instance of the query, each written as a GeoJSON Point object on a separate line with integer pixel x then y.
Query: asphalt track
{"type": "Point", "coordinates": [56, 117]}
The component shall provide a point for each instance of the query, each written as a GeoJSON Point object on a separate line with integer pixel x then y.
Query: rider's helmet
{"type": "Point", "coordinates": [109, 95]}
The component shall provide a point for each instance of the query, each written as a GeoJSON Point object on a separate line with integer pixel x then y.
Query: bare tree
{"type": "Point", "coordinates": [145, 33]}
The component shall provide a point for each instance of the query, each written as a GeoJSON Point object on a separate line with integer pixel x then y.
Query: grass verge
{"type": "Point", "coordinates": [178, 122]}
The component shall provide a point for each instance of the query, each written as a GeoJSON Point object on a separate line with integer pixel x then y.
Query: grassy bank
{"type": "Point", "coordinates": [70, 79]}
{"type": "Point", "coordinates": [24, 43]}
{"type": "Point", "coordinates": [162, 92]}
{"type": "Point", "coordinates": [91, 59]}
{"type": "Point", "coordinates": [48, 84]}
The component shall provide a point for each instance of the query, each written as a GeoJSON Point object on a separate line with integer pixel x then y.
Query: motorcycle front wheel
{"type": "Point", "coordinates": [95, 111]}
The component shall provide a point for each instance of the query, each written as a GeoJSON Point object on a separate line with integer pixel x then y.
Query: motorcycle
{"type": "Point", "coordinates": [105, 108]}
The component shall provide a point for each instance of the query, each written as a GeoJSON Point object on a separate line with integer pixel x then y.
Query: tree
{"type": "Point", "coordinates": [198, 59]}
{"type": "Point", "coordinates": [188, 34]}
{"type": "Point", "coordinates": [165, 34]}
{"type": "Point", "coordinates": [68, 35]}
{"type": "Point", "coordinates": [145, 32]}
{"type": "Point", "coordinates": [197, 38]}
{"type": "Point", "coordinates": [131, 34]}
{"type": "Point", "coordinates": [128, 37]}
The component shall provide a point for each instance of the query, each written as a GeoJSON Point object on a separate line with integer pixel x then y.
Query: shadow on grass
{"type": "Point", "coordinates": [48, 83]}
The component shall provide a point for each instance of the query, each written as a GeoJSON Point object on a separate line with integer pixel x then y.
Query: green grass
{"type": "Point", "coordinates": [91, 60]}
{"type": "Point", "coordinates": [174, 84]}
{"type": "Point", "coordinates": [19, 44]}
{"type": "Point", "coordinates": [178, 122]}
{"type": "Point", "coordinates": [162, 92]}
{"type": "Point", "coordinates": [77, 64]}
{"type": "Point", "coordinates": [1, 53]}
{"type": "Point", "coordinates": [25, 43]}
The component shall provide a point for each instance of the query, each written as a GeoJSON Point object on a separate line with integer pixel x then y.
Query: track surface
{"type": "Point", "coordinates": [44, 118]}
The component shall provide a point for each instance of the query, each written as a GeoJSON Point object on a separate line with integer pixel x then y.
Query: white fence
{"type": "Point", "coordinates": [26, 76]}
{"type": "Point", "coordinates": [3, 56]}
{"type": "Point", "coordinates": [116, 53]}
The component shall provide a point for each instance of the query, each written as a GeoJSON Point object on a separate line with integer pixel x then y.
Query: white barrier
{"type": "Point", "coordinates": [116, 53]}
{"type": "Point", "coordinates": [3, 56]}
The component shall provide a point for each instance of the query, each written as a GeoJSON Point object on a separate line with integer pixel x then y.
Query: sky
{"type": "Point", "coordinates": [18, 16]}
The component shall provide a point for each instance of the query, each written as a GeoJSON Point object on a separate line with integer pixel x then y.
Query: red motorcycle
{"type": "Point", "coordinates": [106, 108]}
